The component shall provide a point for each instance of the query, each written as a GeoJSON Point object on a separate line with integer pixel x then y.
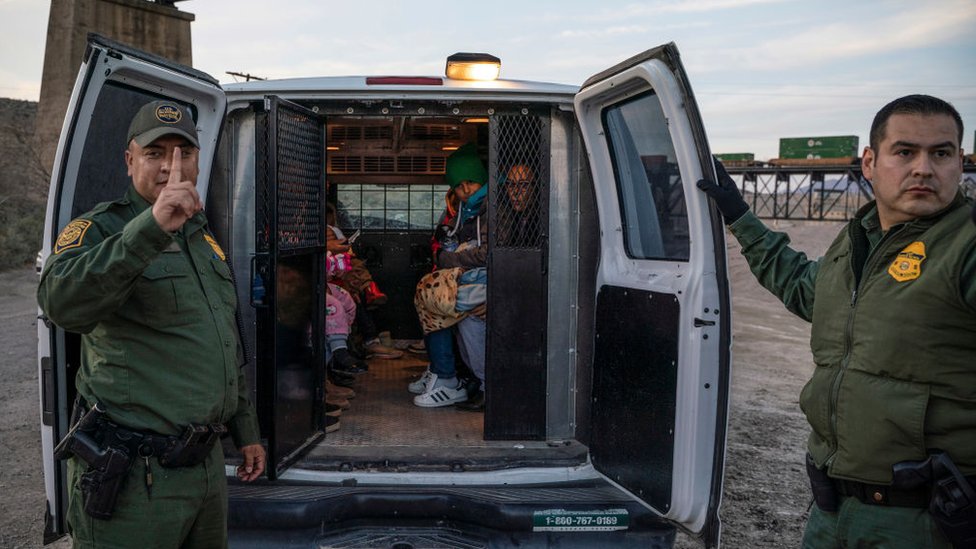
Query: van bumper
{"type": "Point", "coordinates": [282, 514]}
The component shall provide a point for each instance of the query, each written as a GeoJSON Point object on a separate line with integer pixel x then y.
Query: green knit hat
{"type": "Point", "coordinates": [464, 165]}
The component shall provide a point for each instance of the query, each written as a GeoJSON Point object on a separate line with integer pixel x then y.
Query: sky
{"type": "Point", "coordinates": [760, 69]}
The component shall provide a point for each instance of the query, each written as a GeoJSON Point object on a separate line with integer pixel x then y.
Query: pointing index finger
{"type": "Point", "coordinates": [176, 166]}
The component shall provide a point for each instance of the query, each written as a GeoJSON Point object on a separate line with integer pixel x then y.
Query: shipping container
{"type": "Point", "coordinates": [736, 156]}
{"type": "Point", "coordinates": [811, 148]}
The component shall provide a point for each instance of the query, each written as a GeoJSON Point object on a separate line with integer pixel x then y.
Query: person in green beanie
{"type": "Point", "coordinates": [465, 249]}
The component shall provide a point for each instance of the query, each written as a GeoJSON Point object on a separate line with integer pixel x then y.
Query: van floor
{"type": "Point", "coordinates": [383, 429]}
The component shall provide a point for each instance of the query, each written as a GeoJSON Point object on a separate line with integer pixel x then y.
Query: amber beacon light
{"type": "Point", "coordinates": [473, 66]}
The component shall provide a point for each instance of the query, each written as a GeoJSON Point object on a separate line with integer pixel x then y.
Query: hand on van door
{"type": "Point", "coordinates": [254, 461]}
{"type": "Point", "coordinates": [178, 201]}
{"type": "Point", "coordinates": [725, 194]}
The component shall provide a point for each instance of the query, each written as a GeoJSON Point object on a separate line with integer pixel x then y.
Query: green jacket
{"type": "Point", "coordinates": [893, 337]}
{"type": "Point", "coordinates": [160, 345]}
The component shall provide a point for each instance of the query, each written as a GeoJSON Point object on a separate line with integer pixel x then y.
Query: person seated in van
{"type": "Point", "coordinates": [519, 216]}
{"type": "Point", "coordinates": [358, 281]}
{"type": "Point", "coordinates": [340, 312]}
{"type": "Point", "coordinates": [437, 239]}
{"type": "Point", "coordinates": [438, 297]}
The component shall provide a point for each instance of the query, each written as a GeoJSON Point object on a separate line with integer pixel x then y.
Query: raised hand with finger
{"type": "Point", "coordinates": [178, 200]}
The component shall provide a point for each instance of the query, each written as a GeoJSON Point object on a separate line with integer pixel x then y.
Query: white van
{"type": "Point", "coordinates": [608, 341]}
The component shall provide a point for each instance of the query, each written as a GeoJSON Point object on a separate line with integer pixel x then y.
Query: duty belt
{"type": "Point", "coordinates": [880, 494]}
{"type": "Point", "coordinates": [189, 448]}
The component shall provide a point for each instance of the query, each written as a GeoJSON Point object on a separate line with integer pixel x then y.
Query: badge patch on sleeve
{"type": "Point", "coordinates": [908, 265]}
{"type": "Point", "coordinates": [216, 247]}
{"type": "Point", "coordinates": [72, 235]}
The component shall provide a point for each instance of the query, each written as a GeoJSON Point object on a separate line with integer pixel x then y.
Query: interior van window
{"type": "Point", "coordinates": [652, 202]}
{"type": "Point", "coordinates": [415, 207]}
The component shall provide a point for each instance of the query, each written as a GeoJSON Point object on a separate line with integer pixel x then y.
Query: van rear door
{"type": "Point", "coordinates": [663, 328]}
{"type": "Point", "coordinates": [289, 267]}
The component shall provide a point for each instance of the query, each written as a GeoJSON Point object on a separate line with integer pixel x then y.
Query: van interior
{"type": "Point", "coordinates": [384, 174]}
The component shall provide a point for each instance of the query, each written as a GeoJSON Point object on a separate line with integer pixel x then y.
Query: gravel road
{"type": "Point", "coordinates": [766, 496]}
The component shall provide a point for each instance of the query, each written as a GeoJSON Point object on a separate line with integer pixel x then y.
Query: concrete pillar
{"type": "Point", "coordinates": [154, 27]}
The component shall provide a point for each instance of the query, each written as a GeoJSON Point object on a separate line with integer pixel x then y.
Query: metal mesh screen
{"type": "Point", "coordinates": [300, 162]}
{"type": "Point", "coordinates": [521, 170]}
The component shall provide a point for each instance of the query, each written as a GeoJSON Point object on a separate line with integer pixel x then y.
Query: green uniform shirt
{"type": "Point", "coordinates": [894, 318]}
{"type": "Point", "coordinates": [160, 344]}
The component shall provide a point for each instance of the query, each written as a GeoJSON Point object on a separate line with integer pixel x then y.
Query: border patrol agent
{"type": "Point", "coordinates": [148, 287]}
{"type": "Point", "coordinates": [892, 400]}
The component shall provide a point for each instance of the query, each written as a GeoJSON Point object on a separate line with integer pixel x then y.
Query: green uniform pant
{"type": "Point", "coordinates": [187, 509]}
{"type": "Point", "coordinates": [860, 526]}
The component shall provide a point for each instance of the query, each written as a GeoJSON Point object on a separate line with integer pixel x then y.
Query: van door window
{"type": "Point", "coordinates": [652, 200]}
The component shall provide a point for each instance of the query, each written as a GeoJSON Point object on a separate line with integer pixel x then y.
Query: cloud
{"type": "Point", "coordinates": [917, 27]}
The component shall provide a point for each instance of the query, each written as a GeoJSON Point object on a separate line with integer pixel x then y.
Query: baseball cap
{"type": "Point", "coordinates": [160, 118]}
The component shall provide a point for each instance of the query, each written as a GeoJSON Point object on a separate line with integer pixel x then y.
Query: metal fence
{"type": "Point", "coordinates": [822, 193]}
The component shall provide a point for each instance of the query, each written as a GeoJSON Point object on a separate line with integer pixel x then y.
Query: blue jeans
{"type": "Point", "coordinates": [440, 349]}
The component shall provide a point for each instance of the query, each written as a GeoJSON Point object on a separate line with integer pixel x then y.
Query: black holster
{"type": "Point", "coordinates": [108, 465]}
{"type": "Point", "coordinates": [822, 486]}
{"type": "Point", "coordinates": [192, 446]}
{"type": "Point", "coordinates": [953, 502]}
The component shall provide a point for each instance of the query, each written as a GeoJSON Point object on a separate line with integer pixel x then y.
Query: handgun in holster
{"type": "Point", "coordinates": [953, 501]}
{"type": "Point", "coordinates": [107, 465]}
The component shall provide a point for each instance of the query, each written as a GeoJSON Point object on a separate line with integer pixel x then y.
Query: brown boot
{"type": "Point", "coordinates": [339, 392]}
{"type": "Point", "coordinates": [342, 403]}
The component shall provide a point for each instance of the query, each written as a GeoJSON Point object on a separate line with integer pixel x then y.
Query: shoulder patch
{"type": "Point", "coordinates": [908, 265]}
{"type": "Point", "coordinates": [216, 247]}
{"type": "Point", "coordinates": [72, 235]}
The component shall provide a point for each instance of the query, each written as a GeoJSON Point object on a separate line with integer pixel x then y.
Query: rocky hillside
{"type": "Point", "coordinates": [23, 185]}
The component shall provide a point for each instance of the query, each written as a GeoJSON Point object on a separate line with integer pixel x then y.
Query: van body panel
{"type": "Point", "coordinates": [659, 364]}
{"type": "Point", "coordinates": [620, 279]}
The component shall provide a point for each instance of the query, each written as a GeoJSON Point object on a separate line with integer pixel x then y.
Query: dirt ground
{"type": "Point", "coordinates": [766, 496]}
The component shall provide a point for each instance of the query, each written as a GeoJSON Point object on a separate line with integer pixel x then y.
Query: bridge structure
{"type": "Point", "coordinates": [818, 193]}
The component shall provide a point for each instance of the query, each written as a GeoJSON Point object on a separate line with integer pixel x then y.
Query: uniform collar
{"type": "Point", "coordinates": [867, 216]}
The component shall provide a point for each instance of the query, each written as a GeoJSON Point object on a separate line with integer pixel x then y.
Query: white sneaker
{"type": "Point", "coordinates": [420, 385]}
{"type": "Point", "coordinates": [436, 397]}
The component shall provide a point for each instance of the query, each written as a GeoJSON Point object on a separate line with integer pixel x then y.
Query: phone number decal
{"type": "Point", "coordinates": [562, 520]}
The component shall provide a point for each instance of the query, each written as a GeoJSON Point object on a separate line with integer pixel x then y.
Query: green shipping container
{"type": "Point", "coordinates": [736, 156]}
{"type": "Point", "coordinates": [810, 148]}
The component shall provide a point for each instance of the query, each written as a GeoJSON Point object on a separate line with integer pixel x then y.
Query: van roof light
{"type": "Point", "coordinates": [473, 66]}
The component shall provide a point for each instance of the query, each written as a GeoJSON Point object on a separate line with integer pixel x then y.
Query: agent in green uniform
{"type": "Point", "coordinates": [893, 310]}
{"type": "Point", "coordinates": [149, 288]}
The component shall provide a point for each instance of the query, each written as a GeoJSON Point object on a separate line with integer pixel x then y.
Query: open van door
{"type": "Point", "coordinates": [662, 321]}
{"type": "Point", "coordinates": [289, 265]}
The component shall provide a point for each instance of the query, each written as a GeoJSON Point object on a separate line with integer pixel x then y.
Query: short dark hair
{"type": "Point", "coordinates": [911, 104]}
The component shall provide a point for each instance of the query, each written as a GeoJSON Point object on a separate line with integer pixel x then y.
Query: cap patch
{"type": "Point", "coordinates": [908, 265]}
{"type": "Point", "coordinates": [216, 247]}
{"type": "Point", "coordinates": [168, 114]}
{"type": "Point", "coordinates": [72, 235]}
